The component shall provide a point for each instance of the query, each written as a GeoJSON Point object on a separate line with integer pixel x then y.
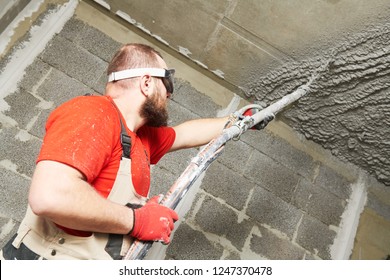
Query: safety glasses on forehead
{"type": "Point", "coordinates": [166, 75]}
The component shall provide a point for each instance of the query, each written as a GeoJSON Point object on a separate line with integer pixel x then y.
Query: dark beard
{"type": "Point", "coordinates": [155, 115]}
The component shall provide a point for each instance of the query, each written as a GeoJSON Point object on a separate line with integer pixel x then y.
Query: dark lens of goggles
{"type": "Point", "coordinates": [168, 80]}
{"type": "Point", "coordinates": [168, 83]}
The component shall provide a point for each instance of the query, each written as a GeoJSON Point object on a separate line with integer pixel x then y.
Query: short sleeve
{"type": "Point", "coordinates": [81, 133]}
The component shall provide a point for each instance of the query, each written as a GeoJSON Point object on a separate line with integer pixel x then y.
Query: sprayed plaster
{"type": "Point", "coordinates": [348, 109]}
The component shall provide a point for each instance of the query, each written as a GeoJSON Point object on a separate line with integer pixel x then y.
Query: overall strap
{"type": "Point", "coordinates": [125, 139]}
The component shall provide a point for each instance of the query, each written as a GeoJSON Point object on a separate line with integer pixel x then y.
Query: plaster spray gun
{"type": "Point", "coordinates": [211, 151]}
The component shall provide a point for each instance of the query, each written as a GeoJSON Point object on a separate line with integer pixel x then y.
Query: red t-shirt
{"type": "Point", "coordinates": [85, 133]}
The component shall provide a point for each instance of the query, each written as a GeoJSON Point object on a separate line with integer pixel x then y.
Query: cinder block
{"type": "Point", "coordinates": [72, 28]}
{"type": "Point", "coordinates": [231, 255]}
{"type": "Point", "coordinates": [195, 101]}
{"type": "Point", "coordinates": [320, 200]}
{"type": "Point", "coordinates": [309, 256]}
{"type": "Point", "coordinates": [177, 161]}
{"type": "Point", "coordinates": [34, 73]}
{"type": "Point", "coordinates": [218, 219]}
{"type": "Point", "coordinates": [266, 208]}
{"type": "Point", "coordinates": [100, 85]}
{"type": "Point", "coordinates": [179, 114]}
{"type": "Point", "coordinates": [22, 107]}
{"type": "Point", "coordinates": [60, 88]}
{"type": "Point", "coordinates": [272, 176]}
{"type": "Point", "coordinates": [38, 129]}
{"type": "Point", "coordinates": [14, 192]}
{"type": "Point", "coordinates": [275, 248]}
{"type": "Point", "coordinates": [281, 151]}
{"type": "Point", "coordinates": [222, 182]}
{"type": "Point", "coordinates": [301, 195]}
{"type": "Point", "coordinates": [74, 61]}
{"type": "Point", "coordinates": [22, 153]}
{"type": "Point", "coordinates": [236, 155]}
{"type": "Point", "coordinates": [90, 39]}
{"type": "Point", "coordinates": [315, 236]}
{"type": "Point", "coordinates": [161, 181]}
{"type": "Point", "coordinates": [190, 244]}
{"type": "Point", "coordinates": [333, 182]}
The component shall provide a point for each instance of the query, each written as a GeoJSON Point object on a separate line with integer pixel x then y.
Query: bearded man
{"type": "Point", "coordinates": [89, 193]}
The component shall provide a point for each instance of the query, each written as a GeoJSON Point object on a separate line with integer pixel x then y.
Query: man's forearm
{"type": "Point", "coordinates": [198, 132]}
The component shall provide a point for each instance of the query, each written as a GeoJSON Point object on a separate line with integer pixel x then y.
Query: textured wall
{"type": "Point", "coordinates": [291, 200]}
{"type": "Point", "coordinates": [290, 208]}
{"type": "Point", "coordinates": [348, 110]}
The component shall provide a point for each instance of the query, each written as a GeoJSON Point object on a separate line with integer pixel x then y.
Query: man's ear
{"type": "Point", "coordinates": [146, 85]}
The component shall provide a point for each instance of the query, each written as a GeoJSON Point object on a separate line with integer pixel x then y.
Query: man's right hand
{"type": "Point", "coordinates": [153, 222]}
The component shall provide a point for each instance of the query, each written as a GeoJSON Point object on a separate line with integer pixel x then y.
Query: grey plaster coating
{"type": "Point", "coordinates": [348, 108]}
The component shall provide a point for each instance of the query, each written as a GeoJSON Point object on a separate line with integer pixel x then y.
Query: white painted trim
{"type": "Point", "coordinates": [343, 243]}
{"type": "Point", "coordinates": [31, 48]}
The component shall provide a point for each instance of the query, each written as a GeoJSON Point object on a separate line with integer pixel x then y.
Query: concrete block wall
{"type": "Point", "coordinates": [252, 205]}
{"type": "Point", "coordinates": [270, 195]}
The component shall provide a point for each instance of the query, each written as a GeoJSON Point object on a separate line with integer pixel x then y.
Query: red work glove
{"type": "Point", "coordinates": [260, 125]}
{"type": "Point", "coordinates": [153, 222]}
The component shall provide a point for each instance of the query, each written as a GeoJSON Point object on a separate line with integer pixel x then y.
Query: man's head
{"type": "Point", "coordinates": [142, 68]}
